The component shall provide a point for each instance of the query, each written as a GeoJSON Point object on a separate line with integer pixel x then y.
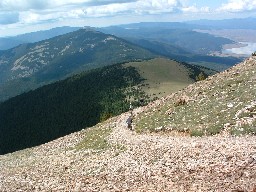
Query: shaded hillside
{"type": "Point", "coordinates": [29, 66]}
{"type": "Point", "coordinates": [58, 109]}
{"type": "Point", "coordinates": [109, 157]}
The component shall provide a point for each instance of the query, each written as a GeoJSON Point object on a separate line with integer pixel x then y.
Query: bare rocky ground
{"type": "Point", "coordinates": [163, 161]}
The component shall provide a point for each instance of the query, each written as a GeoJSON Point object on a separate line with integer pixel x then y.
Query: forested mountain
{"type": "Point", "coordinates": [85, 99]}
{"type": "Point", "coordinates": [64, 107]}
{"type": "Point", "coordinates": [29, 66]}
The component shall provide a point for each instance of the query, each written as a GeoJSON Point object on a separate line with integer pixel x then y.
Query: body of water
{"type": "Point", "coordinates": [248, 49]}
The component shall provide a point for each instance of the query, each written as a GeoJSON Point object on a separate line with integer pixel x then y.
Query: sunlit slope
{"type": "Point", "coordinates": [163, 76]}
{"type": "Point", "coordinates": [222, 103]}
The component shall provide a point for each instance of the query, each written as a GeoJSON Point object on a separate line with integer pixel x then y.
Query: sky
{"type": "Point", "coordinates": [23, 16]}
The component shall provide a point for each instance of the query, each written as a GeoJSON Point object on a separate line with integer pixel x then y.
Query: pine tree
{"type": "Point", "coordinates": [200, 77]}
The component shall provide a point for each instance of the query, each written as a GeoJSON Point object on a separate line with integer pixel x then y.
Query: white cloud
{"type": "Point", "coordinates": [18, 13]}
{"type": "Point", "coordinates": [107, 10]}
{"type": "Point", "coordinates": [31, 11]}
{"type": "Point", "coordinates": [158, 6]}
{"type": "Point", "coordinates": [192, 9]}
{"type": "Point", "coordinates": [205, 9]}
{"type": "Point", "coordinates": [238, 6]}
{"type": "Point", "coordinates": [30, 17]}
{"type": "Point", "coordinates": [23, 5]}
{"type": "Point", "coordinates": [139, 7]}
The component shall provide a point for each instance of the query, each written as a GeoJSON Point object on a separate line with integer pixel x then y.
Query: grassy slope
{"type": "Point", "coordinates": [162, 76]}
{"type": "Point", "coordinates": [224, 102]}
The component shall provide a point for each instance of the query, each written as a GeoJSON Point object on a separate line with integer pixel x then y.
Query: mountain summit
{"type": "Point", "coordinates": [161, 154]}
{"type": "Point", "coordinates": [29, 66]}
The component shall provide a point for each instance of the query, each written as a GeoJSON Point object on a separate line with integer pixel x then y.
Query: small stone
{"type": "Point", "coordinates": [230, 105]}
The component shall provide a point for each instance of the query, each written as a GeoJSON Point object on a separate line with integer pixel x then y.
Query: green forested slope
{"type": "Point", "coordinates": [55, 110]}
{"type": "Point", "coordinates": [84, 100]}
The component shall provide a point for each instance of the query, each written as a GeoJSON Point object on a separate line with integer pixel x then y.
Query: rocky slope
{"type": "Point", "coordinates": [109, 157]}
{"type": "Point", "coordinates": [222, 103]}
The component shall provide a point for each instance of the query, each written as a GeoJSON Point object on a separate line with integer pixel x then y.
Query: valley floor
{"type": "Point", "coordinates": [134, 162]}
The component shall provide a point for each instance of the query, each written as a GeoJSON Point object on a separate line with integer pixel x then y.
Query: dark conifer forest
{"type": "Point", "coordinates": [64, 107]}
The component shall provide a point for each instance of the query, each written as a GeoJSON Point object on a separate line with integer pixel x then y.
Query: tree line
{"type": "Point", "coordinates": [66, 106]}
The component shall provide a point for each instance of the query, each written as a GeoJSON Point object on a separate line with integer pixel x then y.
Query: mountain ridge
{"type": "Point", "coordinates": [87, 98]}
{"type": "Point", "coordinates": [152, 36]}
{"type": "Point", "coordinates": [109, 157]}
{"type": "Point", "coordinates": [29, 66]}
{"type": "Point", "coordinates": [10, 42]}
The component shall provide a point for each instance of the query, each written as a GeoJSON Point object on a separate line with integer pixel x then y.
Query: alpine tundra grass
{"type": "Point", "coordinates": [222, 103]}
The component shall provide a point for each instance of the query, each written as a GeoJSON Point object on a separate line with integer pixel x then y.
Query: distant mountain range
{"type": "Point", "coordinates": [239, 23]}
{"type": "Point", "coordinates": [176, 40]}
{"type": "Point", "coordinates": [29, 66]}
{"type": "Point", "coordinates": [10, 42]}
{"type": "Point", "coordinates": [186, 39]}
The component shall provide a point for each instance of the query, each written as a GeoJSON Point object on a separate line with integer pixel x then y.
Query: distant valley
{"type": "Point", "coordinates": [245, 41]}
{"type": "Point", "coordinates": [178, 41]}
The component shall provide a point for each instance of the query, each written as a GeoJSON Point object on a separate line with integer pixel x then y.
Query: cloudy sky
{"type": "Point", "coordinates": [22, 16]}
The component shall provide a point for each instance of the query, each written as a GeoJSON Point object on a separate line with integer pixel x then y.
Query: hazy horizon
{"type": "Point", "coordinates": [23, 16]}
